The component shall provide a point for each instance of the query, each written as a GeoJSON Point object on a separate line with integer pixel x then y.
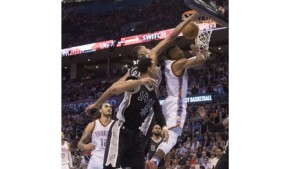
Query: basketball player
{"type": "Point", "coordinates": [155, 141]}
{"type": "Point", "coordinates": [174, 106]}
{"type": "Point", "coordinates": [212, 127]}
{"type": "Point", "coordinates": [97, 132]}
{"type": "Point", "coordinates": [137, 53]}
{"type": "Point", "coordinates": [125, 147]}
{"type": "Point", "coordinates": [140, 51]}
{"type": "Point", "coordinates": [66, 157]}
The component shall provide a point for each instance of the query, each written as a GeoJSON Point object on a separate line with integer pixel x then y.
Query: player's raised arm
{"type": "Point", "coordinates": [102, 98]}
{"type": "Point", "coordinates": [184, 63]}
{"type": "Point", "coordinates": [161, 46]}
{"type": "Point", "coordinates": [123, 86]}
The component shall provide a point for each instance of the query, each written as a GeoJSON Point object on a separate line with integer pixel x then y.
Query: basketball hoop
{"type": "Point", "coordinates": [206, 26]}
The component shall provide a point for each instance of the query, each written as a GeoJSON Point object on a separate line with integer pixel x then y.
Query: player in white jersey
{"type": "Point", "coordinates": [97, 132]}
{"type": "Point", "coordinates": [66, 157]}
{"type": "Point", "coordinates": [174, 106]}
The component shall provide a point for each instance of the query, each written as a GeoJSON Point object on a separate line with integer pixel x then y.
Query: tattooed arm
{"type": "Point", "coordinates": [85, 141]}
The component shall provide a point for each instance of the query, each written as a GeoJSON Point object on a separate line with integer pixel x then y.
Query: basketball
{"type": "Point", "coordinates": [190, 31]}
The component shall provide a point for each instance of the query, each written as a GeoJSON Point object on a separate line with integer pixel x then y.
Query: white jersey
{"type": "Point", "coordinates": [99, 137]}
{"type": "Point", "coordinates": [174, 107]}
{"type": "Point", "coordinates": [65, 153]}
{"type": "Point", "coordinates": [176, 86]}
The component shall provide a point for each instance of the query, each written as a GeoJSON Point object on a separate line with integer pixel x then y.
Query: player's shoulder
{"type": "Point", "coordinates": [90, 126]}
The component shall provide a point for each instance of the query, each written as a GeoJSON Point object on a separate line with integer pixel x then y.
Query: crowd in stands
{"type": "Point", "coordinates": [80, 28]}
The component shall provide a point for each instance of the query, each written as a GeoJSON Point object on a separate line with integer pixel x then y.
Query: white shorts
{"type": "Point", "coordinates": [95, 163]}
{"type": "Point", "coordinates": [174, 110]}
{"type": "Point", "coordinates": [65, 166]}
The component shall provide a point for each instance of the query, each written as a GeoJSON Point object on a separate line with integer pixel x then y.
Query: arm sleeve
{"type": "Point", "coordinates": [158, 114]}
{"type": "Point", "coordinates": [212, 127]}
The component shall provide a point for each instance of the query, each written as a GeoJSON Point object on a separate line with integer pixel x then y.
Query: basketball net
{"type": "Point", "coordinates": [206, 26]}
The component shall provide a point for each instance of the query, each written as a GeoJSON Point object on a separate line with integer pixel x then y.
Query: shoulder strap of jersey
{"type": "Point", "coordinates": [94, 126]}
{"type": "Point", "coordinates": [68, 144]}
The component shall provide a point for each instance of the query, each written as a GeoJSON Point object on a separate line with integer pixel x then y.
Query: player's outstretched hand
{"type": "Point", "coordinates": [90, 107]}
{"type": "Point", "coordinates": [195, 16]}
{"type": "Point", "coordinates": [195, 49]}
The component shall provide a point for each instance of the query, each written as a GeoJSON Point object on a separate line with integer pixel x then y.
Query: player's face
{"type": "Point", "coordinates": [106, 109]}
{"type": "Point", "coordinates": [144, 50]}
{"type": "Point", "coordinates": [178, 53]}
{"type": "Point", "coordinates": [156, 130]}
{"type": "Point", "coordinates": [218, 152]}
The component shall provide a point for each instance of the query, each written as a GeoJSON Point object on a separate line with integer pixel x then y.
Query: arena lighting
{"type": "Point", "coordinates": [125, 41]}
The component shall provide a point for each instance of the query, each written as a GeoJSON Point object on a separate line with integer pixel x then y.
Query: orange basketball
{"type": "Point", "coordinates": [190, 31]}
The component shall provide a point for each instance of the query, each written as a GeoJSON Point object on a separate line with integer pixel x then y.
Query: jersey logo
{"type": "Point", "coordinates": [153, 148]}
{"type": "Point", "coordinates": [146, 109]}
{"type": "Point", "coordinates": [134, 72]}
{"type": "Point", "coordinates": [143, 96]}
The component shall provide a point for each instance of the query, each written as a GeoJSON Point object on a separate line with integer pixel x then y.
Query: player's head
{"type": "Point", "coordinates": [139, 51]}
{"type": "Point", "coordinates": [218, 152]}
{"type": "Point", "coordinates": [156, 130]}
{"type": "Point", "coordinates": [62, 136]}
{"type": "Point", "coordinates": [105, 109]}
{"type": "Point", "coordinates": [147, 65]}
{"type": "Point", "coordinates": [174, 53]}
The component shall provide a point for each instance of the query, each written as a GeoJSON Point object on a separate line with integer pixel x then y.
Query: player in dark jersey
{"type": "Point", "coordinates": [124, 147]}
{"type": "Point", "coordinates": [155, 141]}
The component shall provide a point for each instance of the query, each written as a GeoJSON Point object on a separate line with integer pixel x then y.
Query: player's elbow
{"type": "Point", "coordinates": [114, 89]}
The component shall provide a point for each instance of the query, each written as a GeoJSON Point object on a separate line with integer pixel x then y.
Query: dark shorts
{"type": "Point", "coordinates": [223, 162]}
{"type": "Point", "coordinates": [125, 147]}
